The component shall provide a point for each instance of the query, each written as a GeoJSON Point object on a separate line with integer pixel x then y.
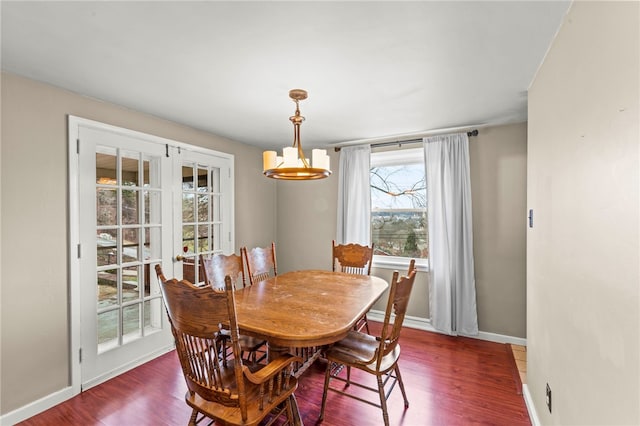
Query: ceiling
{"type": "Point", "coordinates": [372, 69]}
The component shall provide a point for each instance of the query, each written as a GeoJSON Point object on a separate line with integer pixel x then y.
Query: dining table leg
{"type": "Point", "coordinates": [274, 352]}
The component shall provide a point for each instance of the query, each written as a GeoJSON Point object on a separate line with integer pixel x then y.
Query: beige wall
{"type": "Point", "coordinates": [498, 157]}
{"type": "Point", "coordinates": [498, 183]}
{"type": "Point", "coordinates": [583, 276]}
{"type": "Point", "coordinates": [34, 310]}
{"type": "Point", "coordinates": [307, 221]}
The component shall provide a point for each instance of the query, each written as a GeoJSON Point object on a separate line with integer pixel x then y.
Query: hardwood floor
{"type": "Point", "coordinates": [449, 381]}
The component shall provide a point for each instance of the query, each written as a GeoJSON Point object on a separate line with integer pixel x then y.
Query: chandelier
{"type": "Point", "coordinates": [293, 165]}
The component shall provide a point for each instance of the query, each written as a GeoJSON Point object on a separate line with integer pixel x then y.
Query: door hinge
{"type": "Point", "coordinates": [229, 236]}
{"type": "Point", "coordinates": [166, 147]}
{"type": "Point", "coordinates": [80, 354]}
{"type": "Point", "coordinates": [79, 251]}
{"type": "Point", "coordinates": [78, 146]}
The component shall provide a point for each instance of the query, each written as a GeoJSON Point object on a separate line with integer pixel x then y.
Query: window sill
{"type": "Point", "coordinates": [399, 263]}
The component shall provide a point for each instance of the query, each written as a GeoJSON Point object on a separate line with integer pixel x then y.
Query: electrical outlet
{"type": "Point", "coordinates": [548, 397]}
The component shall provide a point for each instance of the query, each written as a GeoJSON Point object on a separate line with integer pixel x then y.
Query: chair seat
{"type": "Point", "coordinates": [358, 350]}
{"type": "Point", "coordinates": [231, 414]}
{"type": "Point", "coordinates": [247, 343]}
{"type": "Point", "coordinates": [251, 344]}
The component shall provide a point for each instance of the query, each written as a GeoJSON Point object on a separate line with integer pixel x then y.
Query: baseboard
{"type": "Point", "coordinates": [531, 408]}
{"type": "Point", "coordinates": [36, 407]}
{"type": "Point", "coordinates": [500, 338]}
{"type": "Point", "coordinates": [425, 324]}
{"type": "Point", "coordinates": [131, 365]}
{"type": "Point", "coordinates": [43, 404]}
{"type": "Point", "coordinates": [409, 321]}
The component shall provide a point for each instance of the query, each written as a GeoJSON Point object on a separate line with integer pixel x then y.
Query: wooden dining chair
{"type": "Point", "coordinates": [377, 355]}
{"type": "Point", "coordinates": [261, 262]}
{"type": "Point", "coordinates": [160, 274]}
{"type": "Point", "coordinates": [234, 393]}
{"type": "Point", "coordinates": [353, 259]}
{"type": "Point", "coordinates": [215, 269]}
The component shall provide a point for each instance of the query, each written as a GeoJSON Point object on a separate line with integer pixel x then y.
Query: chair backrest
{"type": "Point", "coordinates": [160, 274]}
{"type": "Point", "coordinates": [261, 263]}
{"type": "Point", "coordinates": [189, 269]}
{"type": "Point", "coordinates": [399, 294]}
{"type": "Point", "coordinates": [352, 258]}
{"type": "Point", "coordinates": [215, 268]}
{"type": "Point", "coordinates": [196, 315]}
{"type": "Point", "coordinates": [412, 266]}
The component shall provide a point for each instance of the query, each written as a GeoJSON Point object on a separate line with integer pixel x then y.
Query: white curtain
{"type": "Point", "coordinates": [453, 289]}
{"type": "Point", "coordinates": [354, 196]}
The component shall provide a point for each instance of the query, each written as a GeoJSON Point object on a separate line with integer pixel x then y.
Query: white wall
{"type": "Point", "coordinates": [583, 268]}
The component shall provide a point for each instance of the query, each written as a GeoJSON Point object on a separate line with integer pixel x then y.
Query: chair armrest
{"type": "Point", "coordinates": [271, 369]}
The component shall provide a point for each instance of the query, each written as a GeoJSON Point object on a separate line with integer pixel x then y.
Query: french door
{"type": "Point", "coordinates": [142, 201]}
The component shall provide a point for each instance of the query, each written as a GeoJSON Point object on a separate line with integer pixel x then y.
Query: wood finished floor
{"type": "Point", "coordinates": [520, 357]}
{"type": "Point", "coordinates": [449, 381]}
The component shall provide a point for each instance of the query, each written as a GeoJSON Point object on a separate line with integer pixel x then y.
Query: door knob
{"type": "Point", "coordinates": [180, 258]}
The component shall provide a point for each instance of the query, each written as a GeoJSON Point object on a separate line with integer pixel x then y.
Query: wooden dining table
{"type": "Point", "coordinates": [305, 309]}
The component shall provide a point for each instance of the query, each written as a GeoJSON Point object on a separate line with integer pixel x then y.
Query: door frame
{"type": "Point", "coordinates": [74, 123]}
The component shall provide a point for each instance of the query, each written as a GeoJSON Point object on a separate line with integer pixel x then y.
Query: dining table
{"type": "Point", "coordinates": [302, 311]}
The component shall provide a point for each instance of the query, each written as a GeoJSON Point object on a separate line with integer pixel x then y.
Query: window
{"type": "Point", "coordinates": [398, 207]}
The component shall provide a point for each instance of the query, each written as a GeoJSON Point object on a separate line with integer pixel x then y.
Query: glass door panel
{"type": "Point", "coordinates": [203, 210]}
{"type": "Point", "coordinates": [121, 237]}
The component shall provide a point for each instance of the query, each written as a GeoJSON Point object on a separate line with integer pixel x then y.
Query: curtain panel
{"type": "Point", "coordinates": [354, 196]}
{"type": "Point", "coordinates": [452, 288]}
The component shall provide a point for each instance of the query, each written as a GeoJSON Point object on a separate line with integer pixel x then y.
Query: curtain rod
{"type": "Point", "coordinates": [471, 133]}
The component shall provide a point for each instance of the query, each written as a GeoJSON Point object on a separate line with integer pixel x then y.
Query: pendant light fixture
{"type": "Point", "coordinates": [293, 165]}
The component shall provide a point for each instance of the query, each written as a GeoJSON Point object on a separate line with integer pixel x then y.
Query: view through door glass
{"type": "Point", "coordinates": [128, 237]}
